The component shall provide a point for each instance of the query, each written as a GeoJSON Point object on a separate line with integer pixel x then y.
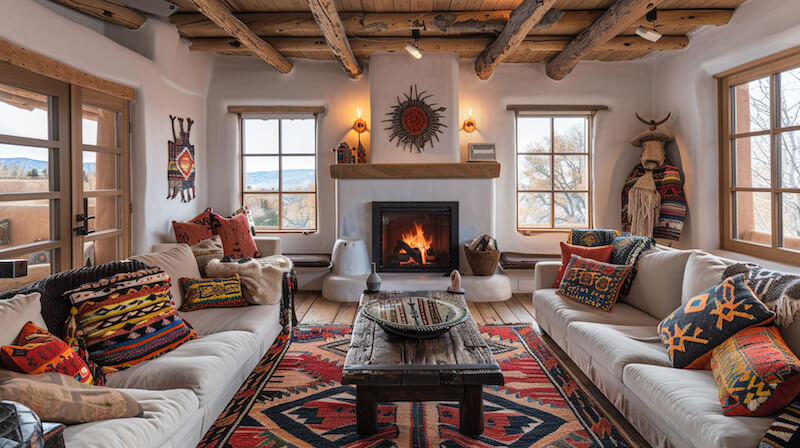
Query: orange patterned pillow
{"type": "Point", "coordinates": [197, 229]}
{"type": "Point", "coordinates": [38, 351]}
{"type": "Point", "coordinates": [237, 241]}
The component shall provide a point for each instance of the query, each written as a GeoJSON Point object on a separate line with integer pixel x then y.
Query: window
{"type": "Point", "coordinates": [279, 171]}
{"type": "Point", "coordinates": [553, 170]}
{"type": "Point", "coordinates": [760, 144]}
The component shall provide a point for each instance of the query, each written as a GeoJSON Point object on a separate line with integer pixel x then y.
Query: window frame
{"type": "Point", "coordinates": [551, 112]}
{"type": "Point", "coordinates": [770, 66]}
{"type": "Point", "coordinates": [276, 113]}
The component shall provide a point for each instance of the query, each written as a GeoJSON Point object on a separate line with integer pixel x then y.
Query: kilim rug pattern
{"type": "Point", "coordinates": [294, 399]}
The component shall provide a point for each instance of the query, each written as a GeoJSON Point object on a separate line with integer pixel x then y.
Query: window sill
{"type": "Point", "coordinates": [534, 232]}
{"type": "Point", "coordinates": [285, 232]}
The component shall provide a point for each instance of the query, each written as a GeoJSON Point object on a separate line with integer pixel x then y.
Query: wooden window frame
{"type": "Point", "coordinates": [551, 112]}
{"type": "Point", "coordinates": [279, 113]}
{"type": "Point", "coordinates": [770, 66]}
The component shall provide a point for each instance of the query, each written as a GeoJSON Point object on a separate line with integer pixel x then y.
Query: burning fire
{"type": "Point", "coordinates": [416, 239]}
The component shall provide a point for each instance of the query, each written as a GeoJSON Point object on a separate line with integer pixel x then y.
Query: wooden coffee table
{"type": "Point", "coordinates": [452, 367]}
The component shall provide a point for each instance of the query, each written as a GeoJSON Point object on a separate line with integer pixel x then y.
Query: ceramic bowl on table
{"type": "Point", "coordinates": [415, 317]}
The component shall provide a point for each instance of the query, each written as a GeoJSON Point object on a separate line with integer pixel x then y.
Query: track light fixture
{"type": "Point", "coordinates": [650, 33]}
{"type": "Point", "coordinates": [413, 48]}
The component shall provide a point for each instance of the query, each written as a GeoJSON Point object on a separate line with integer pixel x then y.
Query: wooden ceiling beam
{"type": "Point", "coordinates": [221, 14]}
{"type": "Point", "coordinates": [326, 16]}
{"type": "Point", "coordinates": [527, 15]}
{"type": "Point", "coordinates": [619, 17]}
{"type": "Point", "coordinates": [107, 11]}
{"type": "Point", "coordinates": [530, 49]}
{"type": "Point", "coordinates": [301, 24]}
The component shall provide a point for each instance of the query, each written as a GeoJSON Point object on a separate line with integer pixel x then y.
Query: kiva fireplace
{"type": "Point", "coordinates": [415, 236]}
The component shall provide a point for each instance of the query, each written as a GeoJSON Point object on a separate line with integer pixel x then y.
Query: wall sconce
{"type": "Point", "coordinates": [359, 125]}
{"type": "Point", "coordinates": [469, 123]}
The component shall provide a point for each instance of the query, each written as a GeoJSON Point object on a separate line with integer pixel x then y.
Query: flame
{"type": "Point", "coordinates": [416, 239]}
{"type": "Point", "coordinates": [358, 112]}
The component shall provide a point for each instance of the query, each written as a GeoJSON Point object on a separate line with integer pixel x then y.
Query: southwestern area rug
{"type": "Point", "coordinates": [294, 399]}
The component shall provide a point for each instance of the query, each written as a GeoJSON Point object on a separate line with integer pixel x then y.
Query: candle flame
{"type": "Point", "coordinates": [358, 112]}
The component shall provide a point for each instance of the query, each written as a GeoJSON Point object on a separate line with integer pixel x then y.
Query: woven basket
{"type": "Point", "coordinates": [482, 263]}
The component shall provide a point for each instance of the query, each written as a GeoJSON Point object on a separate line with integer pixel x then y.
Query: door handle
{"type": "Point", "coordinates": [83, 219]}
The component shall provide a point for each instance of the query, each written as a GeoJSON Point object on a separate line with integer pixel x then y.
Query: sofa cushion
{"type": "Point", "coordinates": [615, 346]}
{"type": "Point", "coordinates": [177, 262]}
{"type": "Point", "coordinates": [593, 283]}
{"type": "Point", "coordinates": [687, 404]}
{"type": "Point", "coordinates": [165, 412]}
{"type": "Point", "coordinates": [16, 312]}
{"type": "Point", "coordinates": [202, 365]}
{"type": "Point", "coordinates": [554, 313]}
{"type": "Point", "coordinates": [657, 287]}
{"type": "Point", "coordinates": [212, 293]}
{"type": "Point", "coordinates": [598, 253]}
{"type": "Point", "coordinates": [703, 271]}
{"type": "Point", "coordinates": [262, 320]}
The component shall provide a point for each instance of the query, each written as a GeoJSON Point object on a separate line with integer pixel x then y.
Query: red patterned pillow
{"type": "Point", "coordinates": [237, 241]}
{"type": "Point", "coordinates": [598, 253]}
{"type": "Point", "coordinates": [756, 372]}
{"type": "Point", "coordinates": [38, 351]}
{"type": "Point", "coordinates": [593, 283]}
{"type": "Point", "coordinates": [197, 229]}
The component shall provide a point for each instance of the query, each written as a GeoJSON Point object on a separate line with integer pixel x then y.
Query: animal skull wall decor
{"type": "Point", "coordinates": [652, 143]}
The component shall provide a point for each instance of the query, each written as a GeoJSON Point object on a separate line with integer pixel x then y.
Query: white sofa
{"type": "Point", "coordinates": [184, 391]}
{"type": "Point", "coordinates": [622, 354]}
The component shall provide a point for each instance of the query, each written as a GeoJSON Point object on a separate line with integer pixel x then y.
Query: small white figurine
{"type": "Point", "coordinates": [455, 283]}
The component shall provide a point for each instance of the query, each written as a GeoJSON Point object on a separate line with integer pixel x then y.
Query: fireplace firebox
{"type": "Point", "coordinates": [415, 236]}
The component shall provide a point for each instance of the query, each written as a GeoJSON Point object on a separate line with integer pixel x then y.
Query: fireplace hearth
{"type": "Point", "coordinates": [415, 236]}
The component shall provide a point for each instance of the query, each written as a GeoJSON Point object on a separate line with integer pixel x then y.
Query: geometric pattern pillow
{"type": "Point", "coordinates": [627, 250]}
{"type": "Point", "coordinates": [780, 291]}
{"type": "Point", "coordinates": [592, 237]}
{"type": "Point", "coordinates": [592, 282]}
{"type": "Point", "coordinates": [37, 351]}
{"type": "Point", "coordinates": [197, 229]}
{"type": "Point", "coordinates": [785, 430]}
{"type": "Point", "coordinates": [599, 253]}
{"type": "Point", "coordinates": [127, 318]}
{"type": "Point", "coordinates": [704, 322]}
{"type": "Point", "coordinates": [212, 293]}
{"type": "Point", "coordinates": [237, 241]}
{"type": "Point", "coordinates": [756, 373]}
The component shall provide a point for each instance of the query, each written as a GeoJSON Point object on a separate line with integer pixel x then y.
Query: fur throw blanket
{"type": "Point", "coordinates": [780, 292]}
{"type": "Point", "coordinates": [262, 278]}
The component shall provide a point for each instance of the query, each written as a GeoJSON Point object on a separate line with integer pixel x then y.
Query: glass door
{"type": "Point", "coordinates": [101, 192]}
{"type": "Point", "coordinates": [34, 173]}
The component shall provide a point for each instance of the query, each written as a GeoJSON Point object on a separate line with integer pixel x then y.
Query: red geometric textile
{"type": "Point", "coordinates": [294, 398]}
{"type": "Point", "coordinates": [38, 351]}
{"type": "Point", "coordinates": [599, 253]}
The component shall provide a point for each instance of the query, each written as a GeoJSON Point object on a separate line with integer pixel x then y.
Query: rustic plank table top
{"type": "Point", "coordinates": [458, 357]}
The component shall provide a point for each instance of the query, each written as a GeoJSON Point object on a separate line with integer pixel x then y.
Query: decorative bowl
{"type": "Point", "coordinates": [415, 317]}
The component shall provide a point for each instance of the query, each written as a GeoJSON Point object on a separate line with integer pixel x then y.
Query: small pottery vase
{"type": "Point", "coordinates": [374, 280]}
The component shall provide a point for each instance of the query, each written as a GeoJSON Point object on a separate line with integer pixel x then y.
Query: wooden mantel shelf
{"type": "Point", "coordinates": [470, 170]}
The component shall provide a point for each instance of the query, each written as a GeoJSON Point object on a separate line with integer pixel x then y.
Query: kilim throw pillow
{"type": "Point", "coordinates": [780, 291]}
{"type": "Point", "coordinates": [704, 322]}
{"type": "Point", "coordinates": [37, 351]}
{"type": "Point", "coordinates": [627, 250]}
{"type": "Point", "coordinates": [756, 372]}
{"type": "Point", "coordinates": [197, 229]}
{"type": "Point", "coordinates": [212, 293]}
{"type": "Point", "coordinates": [237, 241]}
{"type": "Point", "coordinates": [207, 250]}
{"type": "Point", "coordinates": [592, 282]}
{"type": "Point", "coordinates": [59, 398]}
{"type": "Point", "coordinates": [785, 430]}
{"type": "Point", "coordinates": [592, 237]}
{"type": "Point", "coordinates": [126, 319]}
{"type": "Point", "coordinates": [599, 253]}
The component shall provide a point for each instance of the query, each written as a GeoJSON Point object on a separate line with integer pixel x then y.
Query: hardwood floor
{"type": "Point", "coordinates": [313, 309]}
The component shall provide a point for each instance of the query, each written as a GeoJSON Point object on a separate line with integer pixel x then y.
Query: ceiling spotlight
{"type": "Point", "coordinates": [650, 33]}
{"type": "Point", "coordinates": [413, 48]}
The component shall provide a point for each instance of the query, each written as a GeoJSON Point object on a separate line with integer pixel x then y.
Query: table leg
{"type": "Point", "coordinates": [366, 411]}
{"type": "Point", "coordinates": [471, 411]}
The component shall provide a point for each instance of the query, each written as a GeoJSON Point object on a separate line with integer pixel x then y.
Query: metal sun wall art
{"type": "Point", "coordinates": [181, 168]}
{"type": "Point", "coordinates": [414, 122]}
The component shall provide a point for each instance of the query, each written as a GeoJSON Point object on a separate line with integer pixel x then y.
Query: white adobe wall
{"type": "Point", "coordinates": [169, 81]}
{"type": "Point", "coordinates": [683, 84]}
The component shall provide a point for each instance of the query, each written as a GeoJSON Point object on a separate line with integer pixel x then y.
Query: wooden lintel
{"type": "Point", "coordinates": [221, 14]}
{"type": "Point", "coordinates": [619, 17]}
{"type": "Point", "coordinates": [108, 11]}
{"type": "Point", "coordinates": [555, 107]}
{"type": "Point", "coordinates": [470, 170]}
{"type": "Point", "coordinates": [438, 24]}
{"type": "Point", "coordinates": [531, 49]}
{"type": "Point", "coordinates": [43, 65]}
{"type": "Point", "coordinates": [326, 16]}
{"type": "Point", "coordinates": [276, 109]}
{"type": "Point", "coordinates": [527, 15]}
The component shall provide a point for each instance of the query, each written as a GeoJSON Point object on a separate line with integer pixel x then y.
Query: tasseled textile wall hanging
{"type": "Point", "coordinates": [181, 168]}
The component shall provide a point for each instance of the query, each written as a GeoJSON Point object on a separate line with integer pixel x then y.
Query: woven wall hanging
{"type": "Point", "coordinates": [414, 122]}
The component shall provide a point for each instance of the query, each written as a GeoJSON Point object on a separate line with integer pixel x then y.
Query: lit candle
{"type": "Point", "coordinates": [358, 112]}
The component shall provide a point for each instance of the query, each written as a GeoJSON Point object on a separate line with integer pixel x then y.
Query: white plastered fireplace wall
{"type": "Point", "coordinates": [391, 76]}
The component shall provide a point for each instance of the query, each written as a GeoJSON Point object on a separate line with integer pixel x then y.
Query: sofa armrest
{"type": "Point", "coordinates": [545, 274]}
{"type": "Point", "coordinates": [268, 245]}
